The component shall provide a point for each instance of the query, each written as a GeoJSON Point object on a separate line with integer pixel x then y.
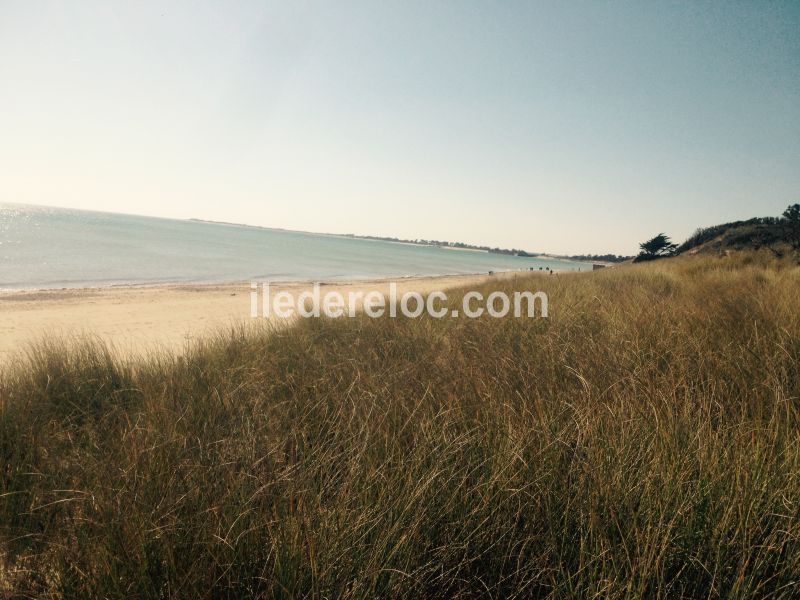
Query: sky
{"type": "Point", "coordinates": [565, 127]}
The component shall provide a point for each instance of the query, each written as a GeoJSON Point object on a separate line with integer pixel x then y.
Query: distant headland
{"type": "Point", "coordinates": [612, 258]}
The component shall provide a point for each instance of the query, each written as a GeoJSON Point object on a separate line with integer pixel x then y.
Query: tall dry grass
{"type": "Point", "coordinates": [641, 442]}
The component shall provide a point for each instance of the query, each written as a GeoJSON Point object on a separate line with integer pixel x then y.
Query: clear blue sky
{"type": "Point", "coordinates": [562, 126]}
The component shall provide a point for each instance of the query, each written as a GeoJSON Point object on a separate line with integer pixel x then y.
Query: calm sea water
{"type": "Point", "coordinates": [53, 248]}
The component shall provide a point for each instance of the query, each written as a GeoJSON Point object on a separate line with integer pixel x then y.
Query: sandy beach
{"type": "Point", "coordinates": [134, 319]}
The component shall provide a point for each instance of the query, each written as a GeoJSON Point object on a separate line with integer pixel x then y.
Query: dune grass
{"type": "Point", "coordinates": [643, 441]}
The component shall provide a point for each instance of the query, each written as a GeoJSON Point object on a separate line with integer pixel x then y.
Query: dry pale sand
{"type": "Point", "coordinates": [134, 319]}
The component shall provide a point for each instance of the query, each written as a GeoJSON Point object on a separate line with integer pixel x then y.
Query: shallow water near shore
{"type": "Point", "coordinates": [42, 247]}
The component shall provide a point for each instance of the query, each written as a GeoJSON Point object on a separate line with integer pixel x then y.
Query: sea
{"type": "Point", "coordinates": [46, 248]}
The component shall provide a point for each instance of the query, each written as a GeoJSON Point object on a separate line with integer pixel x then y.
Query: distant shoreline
{"type": "Point", "coordinates": [603, 259]}
{"type": "Point", "coordinates": [392, 240]}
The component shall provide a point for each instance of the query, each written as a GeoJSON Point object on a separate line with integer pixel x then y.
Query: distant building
{"type": "Point", "coordinates": [597, 266]}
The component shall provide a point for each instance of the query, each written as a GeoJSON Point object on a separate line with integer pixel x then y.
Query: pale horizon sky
{"type": "Point", "coordinates": [553, 127]}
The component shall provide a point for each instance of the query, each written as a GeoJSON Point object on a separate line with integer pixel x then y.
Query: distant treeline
{"type": "Point", "coordinates": [444, 244]}
{"type": "Point", "coordinates": [614, 258]}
